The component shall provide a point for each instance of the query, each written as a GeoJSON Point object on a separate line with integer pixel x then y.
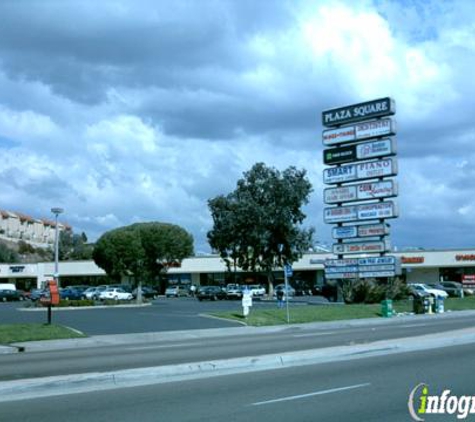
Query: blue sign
{"type": "Point", "coordinates": [288, 270]}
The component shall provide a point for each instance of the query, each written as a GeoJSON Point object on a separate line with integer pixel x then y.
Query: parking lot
{"type": "Point", "coordinates": [164, 314]}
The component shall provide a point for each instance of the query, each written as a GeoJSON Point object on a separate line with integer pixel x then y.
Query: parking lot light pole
{"type": "Point", "coordinates": [56, 211]}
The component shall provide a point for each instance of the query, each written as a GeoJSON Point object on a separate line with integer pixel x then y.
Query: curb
{"type": "Point", "coordinates": [70, 384]}
{"type": "Point", "coordinates": [121, 339]}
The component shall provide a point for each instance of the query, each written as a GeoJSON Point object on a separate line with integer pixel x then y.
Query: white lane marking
{"type": "Point", "coordinates": [413, 325]}
{"type": "Point", "coordinates": [165, 346]}
{"type": "Point", "coordinates": [314, 334]}
{"type": "Point", "coordinates": [317, 393]}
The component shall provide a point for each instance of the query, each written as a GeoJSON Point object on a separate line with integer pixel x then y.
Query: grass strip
{"type": "Point", "coordinates": [321, 313]}
{"type": "Point", "coordinates": [15, 333]}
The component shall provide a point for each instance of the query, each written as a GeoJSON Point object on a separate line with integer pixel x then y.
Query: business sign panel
{"type": "Point", "coordinates": [350, 213]}
{"type": "Point", "coordinates": [363, 151]}
{"type": "Point", "coordinates": [360, 192]}
{"type": "Point", "coordinates": [359, 132]}
{"type": "Point", "coordinates": [358, 112]}
{"type": "Point", "coordinates": [366, 230]}
{"type": "Point", "coordinates": [332, 270]}
{"type": "Point", "coordinates": [340, 214]}
{"type": "Point", "coordinates": [378, 260]}
{"type": "Point", "coordinates": [377, 246]}
{"type": "Point", "coordinates": [369, 230]}
{"type": "Point", "coordinates": [341, 262]}
{"type": "Point", "coordinates": [377, 274]}
{"type": "Point", "coordinates": [340, 276]}
{"type": "Point", "coordinates": [375, 129]}
{"type": "Point", "coordinates": [339, 155]}
{"type": "Point", "coordinates": [345, 232]}
{"type": "Point", "coordinates": [377, 211]}
{"type": "Point", "coordinates": [360, 171]}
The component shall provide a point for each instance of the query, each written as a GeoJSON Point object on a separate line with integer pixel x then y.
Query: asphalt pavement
{"type": "Point", "coordinates": [366, 389]}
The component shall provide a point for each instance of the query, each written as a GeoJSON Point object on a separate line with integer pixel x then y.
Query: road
{"type": "Point", "coordinates": [229, 345]}
{"type": "Point", "coordinates": [375, 389]}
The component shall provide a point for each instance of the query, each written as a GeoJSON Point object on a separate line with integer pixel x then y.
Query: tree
{"type": "Point", "coordinates": [142, 250]}
{"type": "Point", "coordinates": [74, 246]}
{"type": "Point", "coordinates": [8, 255]}
{"type": "Point", "coordinates": [258, 226]}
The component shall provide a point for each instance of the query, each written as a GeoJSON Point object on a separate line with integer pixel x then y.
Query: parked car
{"type": "Point", "coordinates": [125, 287]}
{"type": "Point", "coordinates": [80, 288]}
{"type": "Point", "coordinates": [115, 293]}
{"type": "Point", "coordinates": [147, 292]}
{"type": "Point", "coordinates": [452, 288]}
{"type": "Point", "coordinates": [93, 293]}
{"type": "Point", "coordinates": [257, 290]}
{"type": "Point", "coordinates": [10, 295]}
{"type": "Point", "coordinates": [290, 291]}
{"type": "Point", "coordinates": [36, 294]}
{"type": "Point", "coordinates": [211, 293]}
{"type": "Point", "coordinates": [176, 291]}
{"type": "Point", "coordinates": [420, 287]}
{"type": "Point", "coordinates": [70, 294]}
{"type": "Point", "coordinates": [233, 291]}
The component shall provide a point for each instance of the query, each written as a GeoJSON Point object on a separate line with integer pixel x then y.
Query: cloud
{"type": "Point", "coordinates": [124, 111]}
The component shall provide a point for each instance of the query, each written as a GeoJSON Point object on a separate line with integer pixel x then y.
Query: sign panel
{"type": "Point", "coordinates": [364, 151]}
{"type": "Point", "coordinates": [357, 112]}
{"type": "Point", "coordinates": [377, 246]}
{"type": "Point", "coordinates": [340, 214]}
{"type": "Point", "coordinates": [366, 230]}
{"type": "Point", "coordinates": [375, 129]}
{"type": "Point", "coordinates": [350, 213]}
{"type": "Point", "coordinates": [359, 132]}
{"type": "Point", "coordinates": [360, 171]}
{"type": "Point", "coordinates": [378, 260]}
{"type": "Point", "coordinates": [345, 232]}
{"type": "Point", "coordinates": [369, 230]}
{"type": "Point", "coordinates": [341, 262]}
{"type": "Point", "coordinates": [339, 155]}
{"type": "Point", "coordinates": [377, 211]}
{"type": "Point", "coordinates": [339, 276]}
{"type": "Point", "coordinates": [351, 269]}
{"type": "Point", "coordinates": [376, 274]}
{"type": "Point", "coordinates": [375, 149]}
{"type": "Point", "coordinates": [360, 192]}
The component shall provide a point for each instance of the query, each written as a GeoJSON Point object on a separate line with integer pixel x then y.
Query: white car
{"type": "Point", "coordinates": [257, 290]}
{"type": "Point", "coordinates": [115, 293]}
{"type": "Point", "coordinates": [233, 291]}
{"type": "Point", "coordinates": [424, 288]}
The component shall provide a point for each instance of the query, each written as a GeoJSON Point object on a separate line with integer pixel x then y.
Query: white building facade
{"type": "Point", "coordinates": [417, 266]}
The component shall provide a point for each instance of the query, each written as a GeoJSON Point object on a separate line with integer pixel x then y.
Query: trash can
{"type": "Point", "coordinates": [439, 305]}
{"type": "Point", "coordinates": [418, 304]}
{"type": "Point", "coordinates": [387, 308]}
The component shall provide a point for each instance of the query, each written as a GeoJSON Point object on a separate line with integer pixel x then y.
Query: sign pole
{"type": "Point", "coordinates": [286, 292]}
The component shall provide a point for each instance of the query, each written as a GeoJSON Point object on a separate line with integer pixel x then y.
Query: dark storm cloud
{"type": "Point", "coordinates": [82, 48]}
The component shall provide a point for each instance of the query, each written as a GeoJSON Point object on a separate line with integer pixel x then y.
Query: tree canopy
{"type": "Point", "coordinates": [141, 250]}
{"type": "Point", "coordinates": [258, 226]}
{"type": "Point", "coordinates": [74, 246]}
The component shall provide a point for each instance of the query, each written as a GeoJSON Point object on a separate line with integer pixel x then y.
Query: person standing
{"type": "Point", "coordinates": [280, 298]}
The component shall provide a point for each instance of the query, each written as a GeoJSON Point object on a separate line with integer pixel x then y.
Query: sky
{"type": "Point", "coordinates": [133, 110]}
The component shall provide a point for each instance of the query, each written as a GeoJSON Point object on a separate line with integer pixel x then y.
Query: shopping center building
{"type": "Point", "coordinates": [422, 266]}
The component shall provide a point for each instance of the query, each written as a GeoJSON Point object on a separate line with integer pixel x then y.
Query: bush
{"type": "Point", "coordinates": [373, 290]}
{"type": "Point", "coordinates": [75, 303]}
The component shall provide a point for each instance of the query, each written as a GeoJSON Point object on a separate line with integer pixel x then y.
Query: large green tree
{"type": "Point", "coordinates": [258, 226]}
{"type": "Point", "coordinates": [142, 250]}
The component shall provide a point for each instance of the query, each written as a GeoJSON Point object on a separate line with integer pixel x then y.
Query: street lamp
{"type": "Point", "coordinates": [56, 211]}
